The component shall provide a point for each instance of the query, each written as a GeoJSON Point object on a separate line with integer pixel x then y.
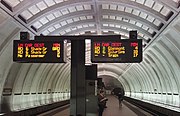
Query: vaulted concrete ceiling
{"type": "Point", "coordinates": [78, 17]}
{"type": "Point", "coordinates": [60, 17]}
{"type": "Point", "coordinates": [157, 23]}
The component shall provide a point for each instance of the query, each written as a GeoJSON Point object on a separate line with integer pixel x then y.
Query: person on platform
{"type": "Point", "coordinates": [101, 102]}
{"type": "Point", "coordinates": [120, 98]}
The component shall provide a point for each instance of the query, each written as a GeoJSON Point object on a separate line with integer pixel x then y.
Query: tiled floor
{"type": "Point", "coordinates": [111, 110]}
{"type": "Point", "coordinates": [114, 110]}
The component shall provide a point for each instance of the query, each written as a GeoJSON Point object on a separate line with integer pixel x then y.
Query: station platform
{"type": "Point", "coordinates": [112, 109]}
{"type": "Point", "coordinates": [65, 112]}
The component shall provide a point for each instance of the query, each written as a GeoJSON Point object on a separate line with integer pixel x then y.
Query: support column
{"type": "Point", "coordinates": [78, 87]}
{"type": "Point", "coordinates": [91, 95]}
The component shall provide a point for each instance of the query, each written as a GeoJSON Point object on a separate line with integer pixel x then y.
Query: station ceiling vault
{"type": "Point", "coordinates": [78, 17]}
{"type": "Point", "coordinates": [156, 21]}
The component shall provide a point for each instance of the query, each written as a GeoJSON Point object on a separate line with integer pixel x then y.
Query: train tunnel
{"type": "Point", "coordinates": [155, 80]}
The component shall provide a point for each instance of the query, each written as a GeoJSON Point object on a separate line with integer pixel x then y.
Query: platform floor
{"type": "Point", "coordinates": [111, 110]}
{"type": "Point", "coordinates": [114, 110]}
{"type": "Point", "coordinates": [63, 113]}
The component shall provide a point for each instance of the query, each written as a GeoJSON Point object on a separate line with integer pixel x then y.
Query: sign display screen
{"type": "Point", "coordinates": [38, 51]}
{"type": "Point", "coordinates": [116, 50]}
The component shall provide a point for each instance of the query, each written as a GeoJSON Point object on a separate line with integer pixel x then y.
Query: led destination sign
{"type": "Point", "coordinates": [116, 50]}
{"type": "Point", "coordinates": [38, 51]}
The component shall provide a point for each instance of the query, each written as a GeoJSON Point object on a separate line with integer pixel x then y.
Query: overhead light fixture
{"type": "Point", "coordinates": [87, 41]}
{"type": "Point", "coordinates": [1, 114]}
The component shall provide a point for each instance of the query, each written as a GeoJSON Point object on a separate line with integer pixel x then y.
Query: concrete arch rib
{"type": "Point", "coordinates": [74, 24]}
{"type": "Point", "coordinates": [103, 28]}
{"type": "Point", "coordinates": [64, 18]}
{"type": "Point", "coordinates": [58, 74]}
{"type": "Point", "coordinates": [46, 71]}
{"type": "Point", "coordinates": [145, 82]}
{"type": "Point", "coordinates": [165, 70]}
{"type": "Point", "coordinates": [11, 78]}
{"type": "Point", "coordinates": [111, 68]}
{"type": "Point", "coordinates": [83, 30]}
{"type": "Point", "coordinates": [12, 74]}
{"type": "Point", "coordinates": [172, 5]}
{"type": "Point", "coordinates": [43, 76]}
{"type": "Point", "coordinates": [145, 75]}
{"type": "Point", "coordinates": [137, 81]}
{"type": "Point", "coordinates": [35, 83]}
{"type": "Point", "coordinates": [28, 3]}
{"type": "Point", "coordinates": [68, 84]}
{"type": "Point", "coordinates": [21, 76]}
{"type": "Point", "coordinates": [27, 99]}
{"type": "Point", "coordinates": [121, 30]}
{"type": "Point", "coordinates": [141, 85]}
{"type": "Point", "coordinates": [137, 72]}
{"type": "Point", "coordinates": [146, 92]}
{"type": "Point", "coordinates": [64, 86]}
{"type": "Point", "coordinates": [164, 85]}
{"type": "Point", "coordinates": [126, 84]}
{"type": "Point", "coordinates": [153, 76]}
{"type": "Point", "coordinates": [131, 17]}
{"type": "Point", "coordinates": [137, 6]}
{"type": "Point", "coordinates": [18, 101]}
{"type": "Point", "coordinates": [57, 77]}
{"type": "Point", "coordinates": [173, 65]}
{"type": "Point", "coordinates": [56, 7]}
{"type": "Point", "coordinates": [166, 81]}
{"type": "Point", "coordinates": [60, 81]}
{"type": "Point", "coordinates": [148, 76]}
{"type": "Point", "coordinates": [130, 81]}
{"type": "Point", "coordinates": [55, 82]}
{"type": "Point", "coordinates": [48, 80]}
{"type": "Point", "coordinates": [172, 49]}
{"type": "Point", "coordinates": [29, 78]}
{"type": "Point", "coordinates": [123, 66]}
{"type": "Point", "coordinates": [172, 35]}
{"type": "Point", "coordinates": [129, 26]}
{"type": "Point", "coordinates": [37, 78]}
{"type": "Point", "coordinates": [114, 75]}
{"type": "Point", "coordinates": [167, 64]}
{"type": "Point", "coordinates": [79, 30]}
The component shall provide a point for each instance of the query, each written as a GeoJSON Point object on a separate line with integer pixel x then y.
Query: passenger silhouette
{"type": "Point", "coordinates": [101, 102]}
{"type": "Point", "coordinates": [120, 98]}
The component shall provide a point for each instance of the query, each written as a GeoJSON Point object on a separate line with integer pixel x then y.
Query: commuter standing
{"type": "Point", "coordinates": [120, 98]}
{"type": "Point", "coordinates": [101, 102]}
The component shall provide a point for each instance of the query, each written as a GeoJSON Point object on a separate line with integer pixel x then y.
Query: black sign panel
{"type": "Point", "coordinates": [116, 50]}
{"type": "Point", "coordinates": [38, 51]}
{"type": "Point", "coordinates": [91, 72]}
